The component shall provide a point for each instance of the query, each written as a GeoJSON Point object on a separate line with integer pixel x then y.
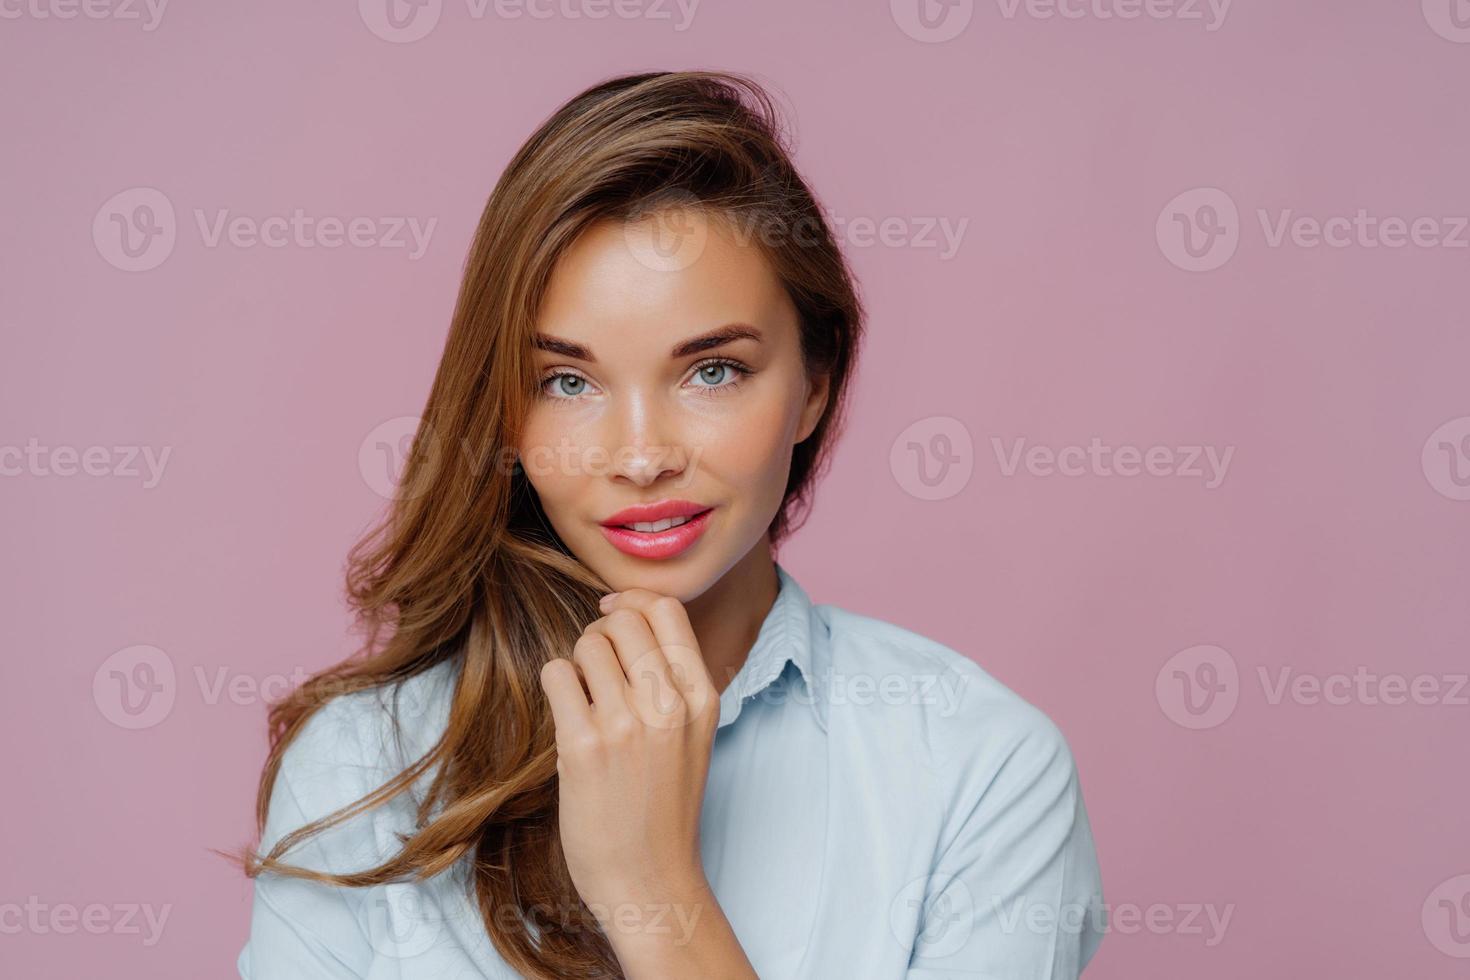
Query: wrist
{"type": "Point", "coordinates": [634, 911]}
{"type": "Point", "coordinates": [675, 884]}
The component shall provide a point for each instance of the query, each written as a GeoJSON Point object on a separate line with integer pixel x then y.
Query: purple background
{"type": "Point", "coordinates": [1065, 154]}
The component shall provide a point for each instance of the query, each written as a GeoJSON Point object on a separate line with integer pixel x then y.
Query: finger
{"type": "Point", "coordinates": [570, 711]}
{"type": "Point", "coordinates": [669, 620]}
{"type": "Point", "coordinates": [651, 690]}
{"type": "Point", "coordinates": [603, 671]}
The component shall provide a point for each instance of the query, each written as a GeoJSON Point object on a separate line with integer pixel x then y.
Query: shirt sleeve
{"type": "Point", "coordinates": [282, 946]}
{"type": "Point", "coordinates": [302, 929]}
{"type": "Point", "coordinates": [1015, 892]}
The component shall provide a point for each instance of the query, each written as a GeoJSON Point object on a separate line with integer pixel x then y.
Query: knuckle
{"type": "Point", "coordinates": [586, 644]}
{"type": "Point", "coordinates": [626, 617]}
{"type": "Point", "coordinates": [584, 746]}
{"type": "Point", "coordinates": [622, 728]}
{"type": "Point", "coordinates": [667, 605]}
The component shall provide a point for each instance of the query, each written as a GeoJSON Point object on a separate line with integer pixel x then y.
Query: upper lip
{"type": "Point", "coordinates": [657, 511]}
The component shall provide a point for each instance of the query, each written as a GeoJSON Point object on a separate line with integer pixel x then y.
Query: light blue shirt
{"type": "Point", "coordinates": [877, 806]}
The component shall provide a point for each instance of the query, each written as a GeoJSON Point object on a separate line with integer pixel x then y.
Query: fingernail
{"type": "Point", "coordinates": [608, 598]}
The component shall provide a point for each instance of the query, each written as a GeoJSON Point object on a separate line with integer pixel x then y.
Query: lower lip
{"type": "Point", "coordinates": [657, 544]}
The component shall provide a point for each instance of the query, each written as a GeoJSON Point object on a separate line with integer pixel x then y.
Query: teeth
{"type": "Point", "coordinates": [662, 525]}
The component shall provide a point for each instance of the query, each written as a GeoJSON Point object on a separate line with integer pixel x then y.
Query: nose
{"type": "Point", "coordinates": [644, 444]}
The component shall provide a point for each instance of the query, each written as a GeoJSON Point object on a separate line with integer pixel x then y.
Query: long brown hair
{"type": "Point", "coordinates": [465, 568]}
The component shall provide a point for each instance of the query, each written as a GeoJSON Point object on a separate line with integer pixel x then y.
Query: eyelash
{"type": "Point", "coordinates": [740, 370]}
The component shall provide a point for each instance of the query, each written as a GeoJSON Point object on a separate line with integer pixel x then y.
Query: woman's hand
{"type": "Point", "coordinates": [632, 762]}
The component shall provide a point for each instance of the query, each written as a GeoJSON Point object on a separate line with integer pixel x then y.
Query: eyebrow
{"type": "Point", "coordinates": [718, 337]}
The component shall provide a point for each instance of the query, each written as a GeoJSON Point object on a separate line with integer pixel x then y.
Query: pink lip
{"type": "Point", "coordinates": [655, 511]}
{"type": "Point", "coordinates": [658, 544]}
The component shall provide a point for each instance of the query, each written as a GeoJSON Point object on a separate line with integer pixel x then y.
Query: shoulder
{"type": "Point", "coordinates": [377, 730]}
{"type": "Point", "coordinates": [349, 747]}
{"type": "Point", "coordinates": [962, 715]}
{"type": "Point", "coordinates": [368, 736]}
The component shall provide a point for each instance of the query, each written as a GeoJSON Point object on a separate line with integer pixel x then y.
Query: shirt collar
{"type": "Point", "coordinates": [790, 632]}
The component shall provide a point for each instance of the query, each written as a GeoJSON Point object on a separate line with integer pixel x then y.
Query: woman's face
{"type": "Point", "coordinates": [671, 373]}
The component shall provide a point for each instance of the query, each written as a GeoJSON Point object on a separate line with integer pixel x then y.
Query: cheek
{"type": "Point", "coordinates": [544, 450]}
{"type": "Point", "coordinates": [750, 451]}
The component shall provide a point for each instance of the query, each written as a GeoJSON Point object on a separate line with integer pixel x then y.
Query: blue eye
{"type": "Point", "coordinates": [722, 366]}
{"type": "Point", "coordinates": [719, 375]}
{"type": "Point", "coordinates": [578, 384]}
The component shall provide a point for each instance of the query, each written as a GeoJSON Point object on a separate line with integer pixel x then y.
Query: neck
{"type": "Point", "coordinates": [727, 616]}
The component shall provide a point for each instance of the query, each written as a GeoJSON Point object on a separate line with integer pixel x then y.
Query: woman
{"type": "Point", "coordinates": [702, 773]}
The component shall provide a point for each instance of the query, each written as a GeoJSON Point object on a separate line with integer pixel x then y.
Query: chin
{"type": "Point", "coordinates": [683, 578]}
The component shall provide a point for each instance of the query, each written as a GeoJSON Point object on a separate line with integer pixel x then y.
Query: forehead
{"type": "Point", "coordinates": [662, 278]}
